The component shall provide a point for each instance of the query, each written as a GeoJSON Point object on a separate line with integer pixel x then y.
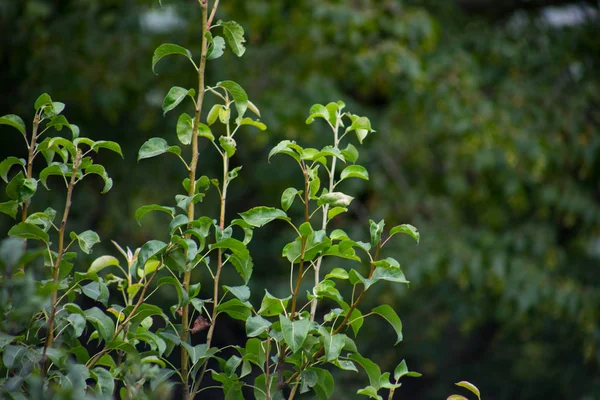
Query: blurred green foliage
{"type": "Point", "coordinates": [488, 140]}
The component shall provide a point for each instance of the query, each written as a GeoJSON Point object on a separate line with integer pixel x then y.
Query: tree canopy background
{"type": "Point", "coordinates": [488, 140]}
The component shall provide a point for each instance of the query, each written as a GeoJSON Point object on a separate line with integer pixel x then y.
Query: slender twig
{"type": "Point", "coordinates": [30, 157]}
{"type": "Point", "coordinates": [185, 323]}
{"type": "Point", "coordinates": [61, 250]}
{"type": "Point", "coordinates": [336, 143]}
{"type": "Point", "coordinates": [212, 13]}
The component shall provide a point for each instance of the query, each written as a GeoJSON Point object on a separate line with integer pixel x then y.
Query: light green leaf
{"type": "Point", "coordinates": [335, 199]}
{"type": "Point", "coordinates": [240, 258]}
{"type": "Point", "coordinates": [217, 46]}
{"type": "Point", "coordinates": [86, 240]}
{"type": "Point", "coordinates": [335, 211]}
{"type": "Point", "coordinates": [239, 96]}
{"type": "Point", "coordinates": [407, 230]}
{"type": "Point", "coordinates": [184, 129]}
{"type": "Point", "coordinates": [256, 124]}
{"type": "Point", "coordinates": [294, 332]}
{"type": "Point", "coordinates": [240, 292]}
{"type": "Point", "coordinates": [272, 306]}
{"type": "Point", "coordinates": [350, 153]}
{"type": "Point", "coordinates": [376, 229]}
{"type": "Point", "coordinates": [234, 34]}
{"type": "Point", "coordinates": [204, 131]}
{"type": "Point", "coordinates": [42, 100]}
{"type": "Point", "coordinates": [102, 262]}
{"type": "Point", "coordinates": [390, 315]}
{"type": "Point", "coordinates": [456, 397]}
{"type": "Point", "coordinates": [228, 144]}
{"type": "Point", "coordinates": [152, 148]}
{"type": "Point", "coordinates": [333, 344]}
{"type": "Point", "coordinates": [354, 171]}
{"type": "Point", "coordinates": [285, 147]}
{"type": "Point", "coordinates": [370, 391]}
{"type": "Point", "coordinates": [15, 121]}
{"type": "Point", "coordinates": [259, 216]}
{"type": "Point", "coordinates": [54, 169]}
{"type": "Point", "coordinates": [143, 210]}
{"type": "Point", "coordinates": [361, 126]}
{"type": "Point", "coordinates": [317, 111]}
{"type": "Point", "coordinates": [168, 49]}
{"type": "Point", "coordinates": [470, 387]}
{"type": "Point", "coordinates": [256, 325]}
{"type": "Point", "coordinates": [213, 114]}
{"type": "Point", "coordinates": [174, 97]}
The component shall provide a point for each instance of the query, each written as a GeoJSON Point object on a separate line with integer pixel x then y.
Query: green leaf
{"type": "Point", "coordinates": [260, 216]}
{"type": "Point", "coordinates": [10, 208]}
{"type": "Point", "coordinates": [255, 325]}
{"type": "Point", "coordinates": [287, 198]}
{"type": "Point", "coordinates": [470, 387]}
{"type": "Point", "coordinates": [42, 100]}
{"type": "Point", "coordinates": [324, 385]}
{"type": "Point", "coordinates": [204, 131]}
{"type": "Point", "coordinates": [175, 96]}
{"type": "Point", "coordinates": [285, 147]}
{"type": "Point", "coordinates": [86, 240]}
{"type": "Point", "coordinates": [272, 306]}
{"type": "Point", "coordinates": [28, 231]}
{"type": "Point", "coordinates": [217, 46]}
{"type": "Point", "coordinates": [456, 397]}
{"type": "Point", "coordinates": [370, 391]}
{"type": "Point", "coordinates": [354, 171]}
{"type": "Point", "coordinates": [335, 199]}
{"type": "Point", "coordinates": [390, 316]}
{"type": "Point", "coordinates": [7, 164]}
{"type": "Point", "coordinates": [54, 169]}
{"type": "Point", "coordinates": [407, 230]}
{"type": "Point", "coordinates": [198, 352]}
{"type": "Point", "coordinates": [362, 127]}
{"type": "Point", "coordinates": [239, 96]}
{"type": "Point", "coordinates": [294, 332]}
{"type": "Point", "coordinates": [317, 111]}
{"type": "Point", "coordinates": [100, 171]}
{"type": "Point", "coordinates": [152, 148]}
{"type": "Point", "coordinates": [240, 257]}
{"type": "Point", "coordinates": [350, 153]}
{"type": "Point", "coordinates": [240, 292]}
{"type": "Point", "coordinates": [108, 145]}
{"type": "Point", "coordinates": [167, 49]}
{"type": "Point", "coordinates": [256, 124]}
{"type": "Point", "coordinates": [102, 322]}
{"type": "Point", "coordinates": [234, 34]}
{"type": "Point", "coordinates": [140, 212]}
{"type": "Point", "coordinates": [376, 229]}
{"type": "Point", "coordinates": [370, 368]}
{"type": "Point", "coordinates": [15, 121]}
{"type": "Point", "coordinates": [236, 309]}
{"type": "Point", "coordinates": [150, 249]}
{"type": "Point", "coordinates": [102, 262]}
{"type": "Point", "coordinates": [333, 344]}
{"type": "Point", "coordinates": [213, 114]}
{"type": "Point", "coordinates": [96, 291]}
{"type": "Point", "coordinates": [105, 381]}
{"type": "Point", "coordinates": [335, 211]}
{"type": "Point", "coordinates": [228, 144]}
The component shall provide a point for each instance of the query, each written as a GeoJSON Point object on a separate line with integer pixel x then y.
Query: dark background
{"type": "Point", "coordinates": [487, 116]}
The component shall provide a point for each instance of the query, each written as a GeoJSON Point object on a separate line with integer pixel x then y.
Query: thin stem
{"type": "Point", "coordinates": [30, 157]}
{"type": "Point", "coordinates": [61, 250]}
{"type": "Point", "coordinates": [336, 143]}
{"type": "Point", "coordinates": [185, 323]}
{"type": "Point", "coordinates": [303, 248]}
{"type": "Point", "coordinates": [212, 13]}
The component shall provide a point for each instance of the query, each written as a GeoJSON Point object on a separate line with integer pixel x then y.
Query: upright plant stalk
{"type": "Point", "coordinates": [313, 305]}
{"type": "Point", "coordinates": [61, 250]}
{"type": "Point", "coordinates": [185, 329]}
{"type": "Point", "coordinates": [30, 157]}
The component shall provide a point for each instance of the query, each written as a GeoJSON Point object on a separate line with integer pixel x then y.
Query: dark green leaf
{"type": "Point", "coordinates": [390, 315]}
{"type": "Point", "coordinates": [287, 198]}
{"type": "Point", "coordinates": [150, 249]}
{"type": "Point", "coordinates": [140, 212]}
{"type": "Point", "coordinates": [294, 332]}
{"type": "Point", "coordinates": [54, 169]}
{"type": "Point", "coordinates": [102, 322]}
{"type": "Point", "coordinates": [174, 97]}
{"type": "Point", "coordinates": [28, 231]}
{"type": "Point", "coordinates": [255, 325]}
{"type": "Point", "coordinates": [15, 121]}
{"type": "Point", "coordinates": [42, 100]}
{"type": "Point", "coordinates": [100, 171]}
{"type": "Point", "coordinates": [370, 368]}
{"type": "Point", "coordinates": [236, 309]}
{"type": "Point", "coordinates": [105, 144]}
{"type": "Point", "coordinates": [238, 93]}
{"type": "Point", "coordinates": [272, 306]}
{"type": "Point", "coordinates": [7, 164]}
{"type": "Point", "coordinates": [10, 208]}
{"type": "Point", "coordinates": [168, 49]}
{"type": "Point", "coordinates": [234, 34]}
{"type": "Point", "coordinates": [259, 216]}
